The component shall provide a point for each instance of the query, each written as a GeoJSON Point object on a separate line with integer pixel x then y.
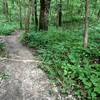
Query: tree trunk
{"type": "Point", "coordinates": [28, 15]}
{"type": "Point", "coordinates": [20, 15]}
{"type": "Point", "coordinates": [60, 13]}
{"type": "Point", "coordinates": [44, 14]}
{"type": "Point", "coordinates": [87, 13]}
{"type": "Point", "coordinates": [33, 11]}
{"type": "Point", "coordinates": [36, 18]}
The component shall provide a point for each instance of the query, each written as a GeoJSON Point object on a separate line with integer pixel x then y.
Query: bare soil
{"type": "Point", "coordinates": [26, 81]}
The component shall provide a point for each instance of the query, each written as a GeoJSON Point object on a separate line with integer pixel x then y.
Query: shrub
{"type": "Point", "coordinates": [7, 28]}
{"type": "Point", "coordinates": [67, 62]}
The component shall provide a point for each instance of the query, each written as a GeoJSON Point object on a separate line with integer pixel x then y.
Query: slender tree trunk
{"type": "Point", "coordinates": [28, 15]}
{"type": "Point", "coordinates": [87, 13]}
{"type": "Point", "coordinates": [59, 14]}
{"type": "Point", "coordinates": [36, 17]}
{"type": "Point", "coordinates": [33, 11]}
{"type": "Point", "coordinates": [44, 14]}
{"type": "Point", "coordinates": [20, 14]}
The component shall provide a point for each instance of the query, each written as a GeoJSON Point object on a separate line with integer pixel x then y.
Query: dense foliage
{"type": "Point", "coordinates": [66, 62]}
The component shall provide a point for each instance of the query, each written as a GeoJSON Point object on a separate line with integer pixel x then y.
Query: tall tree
{"type": "Point", "coordinates": [44, 14]}
{"type": "Point", "coordinates": [36, 17]}
{"type": "Point", "coordinates": [28, 16]}
{"type": "Point", "coordinates": [87, 14]}
{"type": "Point", "coordinates": [20, 14]}
{"type": "Point", "coordinates": [60, 13]}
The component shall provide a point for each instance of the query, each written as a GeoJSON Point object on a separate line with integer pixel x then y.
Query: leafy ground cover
{"type": "Point", "coordinates": [66, 62]}
{"type": "Point", "coordinates": [7, 28]}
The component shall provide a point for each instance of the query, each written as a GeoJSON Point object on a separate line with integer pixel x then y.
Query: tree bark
{"type": "Point", "coordinates": [20, 14]}
{"type": "Point", "coordinates": [36, 18]}
{"type": "Point", "coordinates": [28, 15]}
{"type": "Point", "coordinates": [44, 14]}
{"type": "Point", "coordinates": [87, 14]}
{"type": "Point", "coordinates": [60, 13]}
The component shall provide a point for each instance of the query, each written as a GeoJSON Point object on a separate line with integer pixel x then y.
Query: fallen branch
{"type": "Point", "coordinates": [18, 60]}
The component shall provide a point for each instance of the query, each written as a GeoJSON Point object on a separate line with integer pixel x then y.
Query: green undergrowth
{"type": "Point", "coordinates": [66, 62]}
{"type": "Point", "coordinates": [7, 27]}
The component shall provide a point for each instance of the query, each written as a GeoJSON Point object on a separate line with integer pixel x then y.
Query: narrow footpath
{"type": "Point", "coordinates": [26, 81]}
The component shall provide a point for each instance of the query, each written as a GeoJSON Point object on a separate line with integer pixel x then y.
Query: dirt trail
{"type": "Point", "coordinates": [26, 81]}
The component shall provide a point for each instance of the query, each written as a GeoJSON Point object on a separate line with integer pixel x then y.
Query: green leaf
{"type": "Point", "coordinates": [97, 89]}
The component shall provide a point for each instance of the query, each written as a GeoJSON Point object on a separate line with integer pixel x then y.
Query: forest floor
{"type": "Point", "coordinates": [25, 80]}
